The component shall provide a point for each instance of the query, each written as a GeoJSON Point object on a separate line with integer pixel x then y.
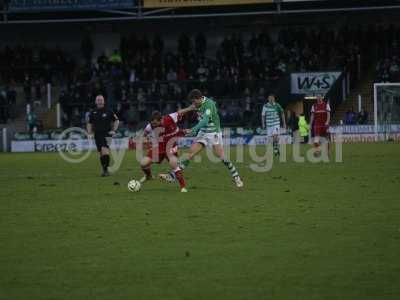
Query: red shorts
{"type": "Point", "coordinates": [321, 130]}
{"type": "Point", "coordinates": [157, 156]}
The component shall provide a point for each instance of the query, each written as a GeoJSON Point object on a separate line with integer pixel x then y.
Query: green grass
{"type": "Point", "coordinates": [300, 231]}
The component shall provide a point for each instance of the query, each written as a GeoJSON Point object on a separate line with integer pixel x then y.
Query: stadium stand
{"type": "Point", "coordinates": [143, 74]}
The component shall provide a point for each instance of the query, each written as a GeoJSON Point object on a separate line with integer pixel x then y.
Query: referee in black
{"type": "Point", "coordinates": [103, 123]}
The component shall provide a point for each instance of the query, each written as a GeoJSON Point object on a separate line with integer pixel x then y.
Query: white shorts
{"type": "Point", "coordinates": [209, 139]}
{"type": "Point", "coordinates": [273, 130]}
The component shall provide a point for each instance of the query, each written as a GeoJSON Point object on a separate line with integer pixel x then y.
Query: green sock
{"type": "Point", "coordinates": [275, 145]}
{"type": "Point", "coordinates": [184, 163]}
{"type": "Point", "coordinates": [231, 168]}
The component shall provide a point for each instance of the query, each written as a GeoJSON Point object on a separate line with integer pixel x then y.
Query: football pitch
{"type": "Point", "coordinates": [299, 231]}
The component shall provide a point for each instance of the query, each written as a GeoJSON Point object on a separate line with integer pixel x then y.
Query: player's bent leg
{"type": "Point", "coordinates": [184, 163]}
{"type": "Point", "coordinates": [194, 150]}
{"type": "Point", "coordinates": [170, 177]}
{"type": "Point", "coordinates": [175, 174]}
{"type": "Point", "coordinates": [145, 164]}
{"type": "Point", "coordinates": [219, 151]}
{"type": "Point", "coordinates": [179, 175]}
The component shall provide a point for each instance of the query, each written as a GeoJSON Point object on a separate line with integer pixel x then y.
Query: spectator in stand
{"type": "Point", "coordinates": [184, 45]}
{"type": "Point", "coordinates": [115, 58]}
{"type": "Point", "coordinates": [76, 120]}
{"type": "Point", "coordinates": [394, 69]}
{"type": "Point", "coordinates": [248, 111]}
{"type": "Point", "coordinates": [141, 99]}
{"type": "Point", "coordinates": [131, 117]}
{"type": "Point", "coordinates": [362, 117]}
{"type": "Point", "coordinates": [3, 107]}
{"type": "Point", "coordinates": [87, 49]}
{"type": "Point", "coordinates": [224, 114]}
{"type": "Point", "coordinates": [27, 88]}
{"type": "Point", "coordinates": [202, 73]}
{"type": "Point", "coordinates": [171, 75]}
{"type": "Point", "coordinates": [32, 121]}
{"type": "Point", "coordinates": [200, 44]}
{"type": "Point", "coordinates": [11, 100]}
{"type": "Point", "coordinates": [233, 111]}
{"type": "Point", "coordinates": [132, 77]}
{"type": "Point", "coordinates": [350, 118]}
{"type": "Point", "coordinates": [260, 98]}
{"type": "Point", "coordinates": [182, 74]}
{"type": "Point", "coordinates": [158, 44]}
{"type": "Point", "coordinates": [38, 90]}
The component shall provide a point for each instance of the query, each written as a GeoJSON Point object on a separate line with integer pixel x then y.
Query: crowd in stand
{"type": "Point", "coordinates": [353, 118]}
{"type": "Point", "coordinates": [388, 69]}
{"type": "Point", "coordinates": [388, 66]}
{"type": "Point", "coordinates": [8, 99]}
{"type": "Point", "coordinates": [142, 75]}
{"type": "Point", "coordinates": [26, 64]}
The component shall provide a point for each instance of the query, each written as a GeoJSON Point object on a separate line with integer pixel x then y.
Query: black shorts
{"type": "Point", "coordinates": [101, 140]}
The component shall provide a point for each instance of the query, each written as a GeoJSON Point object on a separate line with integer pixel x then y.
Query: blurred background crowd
{"type": "Point", "coordinates": [142, 74]}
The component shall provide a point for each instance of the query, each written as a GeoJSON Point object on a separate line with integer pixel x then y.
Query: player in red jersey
{"type": "Point", "coordinates": [320, 119]}
{"type": "Point", "coordinates": [164, 132]}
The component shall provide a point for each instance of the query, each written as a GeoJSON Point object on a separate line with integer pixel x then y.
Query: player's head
{"type": "Point", "coordinates": [100, 101]}
{"type": "Point", "coordinates": [196, 97]}
{"type": "Point", "coordinates": [271, 98]}
{"type": "Point", "coordinates": [320, 98]}
{"type": "Point", "coordinates": [155, 120]}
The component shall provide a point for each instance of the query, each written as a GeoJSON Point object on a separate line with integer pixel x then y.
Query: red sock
{"type": "Point", "coordinates": [147, 172]}
{"type": "Point", "coordinates": [179, 176]}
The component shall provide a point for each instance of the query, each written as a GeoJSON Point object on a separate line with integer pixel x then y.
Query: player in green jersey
{"type": "Point", "coordinates": [271, 116]}
{"type": "Point", "coordinates": [208, 134]}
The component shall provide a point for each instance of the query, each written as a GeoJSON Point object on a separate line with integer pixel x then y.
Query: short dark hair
{"type": "Point", "coordinates": [156, 115]}
{"type": "Point", "coordinates": [194, 94]}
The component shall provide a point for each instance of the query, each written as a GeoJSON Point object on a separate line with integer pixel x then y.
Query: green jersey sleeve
{"type": "Point", "coordinates": [203, 122]}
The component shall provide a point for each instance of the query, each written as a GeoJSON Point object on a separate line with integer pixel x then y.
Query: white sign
{"type": "Point", "coordinates": [312, 83]}
{"type": "Point", "coordinates": [22, 146]}
{"type": "Point", "coordinates": [123, 143]}
{"type": "Point", "coordinates": [63, 145]}
{"type": "Point", "coordinates": [363, 137]}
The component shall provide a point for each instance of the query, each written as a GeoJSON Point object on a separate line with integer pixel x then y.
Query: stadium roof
{"type": "Point", "coordinates": [81, 12]}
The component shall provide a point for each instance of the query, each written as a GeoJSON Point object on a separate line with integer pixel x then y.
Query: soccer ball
{"type": "Point", "coordinates": [134, 186]}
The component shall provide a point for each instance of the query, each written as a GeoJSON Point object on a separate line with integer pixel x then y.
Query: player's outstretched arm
{"type": "Point", "coordinates": [283, 119]}
{"type": "Point", "coordinates": [89, 125]}
{"type": "Point", "coordinates": [328, 118]}
{"type": "Point", "coordinates": [184, 111]}
{"type": "Point", "coordinates": [114, 125]}
{"type": "Point", "coordinates": [89, 128]}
